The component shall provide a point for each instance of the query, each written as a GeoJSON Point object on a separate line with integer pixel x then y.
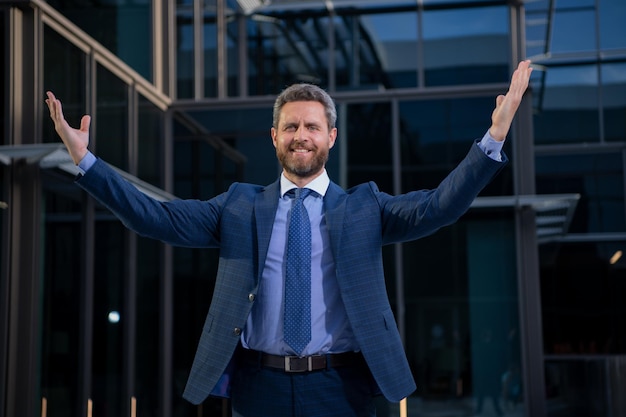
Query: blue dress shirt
{"type": "Point", "coordinates": [330, 329]}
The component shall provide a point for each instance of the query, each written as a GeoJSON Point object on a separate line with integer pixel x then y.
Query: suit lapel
{"type": "Point", "coordinates": [265, 206]}
{"type": "Point", "coordinates": [334, 212]}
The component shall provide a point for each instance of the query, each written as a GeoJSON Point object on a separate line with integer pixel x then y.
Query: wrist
{"type": "Point", "coordinates": [497, 133]}
{"type": "Point", "coordinates": [78, 155]}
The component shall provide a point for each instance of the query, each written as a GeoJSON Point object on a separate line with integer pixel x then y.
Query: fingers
{"type": "Point", "coordinates": [55, 108]}
{"type": "Point", "coordinates": [85, 121]}
{"type": "Point", "coordinates": [507, 105]}
{"type": "Point", "coordinates": [521, 77]}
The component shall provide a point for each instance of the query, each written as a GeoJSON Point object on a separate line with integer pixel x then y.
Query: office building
{"type": "Point", "coordinates": [522, 301]}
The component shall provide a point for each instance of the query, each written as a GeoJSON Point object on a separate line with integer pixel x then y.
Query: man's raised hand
{"type": "Point", "coordinates": [507, 105]}
{"type": "Point", "coordinates": [75, 140]}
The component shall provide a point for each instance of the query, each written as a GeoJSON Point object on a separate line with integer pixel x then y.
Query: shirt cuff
{"type": "Point", "coordinates": [87, 162]}
{"type": "Point", "coordinates": [491, 147]}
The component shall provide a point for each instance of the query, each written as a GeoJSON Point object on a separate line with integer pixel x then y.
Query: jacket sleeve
{"type": "Point", "coordinates": [420, 213]}
{"type": "Point", "coordinates": [189, 223]}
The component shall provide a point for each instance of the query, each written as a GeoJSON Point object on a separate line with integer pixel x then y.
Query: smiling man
{"type": "Point", "coordinates": [300, 323]}
{"type": "Point", "coordinates": [303, 132]}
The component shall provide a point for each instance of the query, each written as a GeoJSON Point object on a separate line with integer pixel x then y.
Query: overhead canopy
{"type": "Point", "coordinates": [54, 156]}
{"type": "Point", "coordinates": [554, 212]}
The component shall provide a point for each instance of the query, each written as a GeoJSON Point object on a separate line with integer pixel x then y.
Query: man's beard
{"type": "Point", "coordinates": [299, 168]}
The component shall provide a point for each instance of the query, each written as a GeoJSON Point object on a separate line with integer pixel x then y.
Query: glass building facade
{"type": "Point", "coordinates": [515, 310]}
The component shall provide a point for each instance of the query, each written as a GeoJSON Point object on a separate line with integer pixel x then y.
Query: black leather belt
{"type": "Point", "coordinates": [305, 363]}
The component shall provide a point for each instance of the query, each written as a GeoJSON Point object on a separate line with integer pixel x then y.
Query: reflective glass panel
{"type": "Point", "coordinates": [209, 53]}
{"type": "Point", "coordinates": [597, 177]}
{"type": "Point", "coordinates": [111, 138]}
{"type": "Point", "coordinates": [61, 296]}
{"type": "Point", "coordinates": [582, 292]}
{"type": "Point", "coordinates": [462, 325]}
{"type": "Point", "coordinates": [376, 50]}
{"type": "Point", "coordinates": [566, 105]}
{"type": "Point", "coordinates": [585, 386]}
{"type": "Point", "coordinates": [574, 27]}
{"type": "Point", "coordinates": [538, 21]}
{"type": "Point", "coordinates": [150, 133]}
{"type": "Point", "coordinates": [68, 85]}
{"type": "Point", "coordinates": [612, 28]}
{"type": "Point", "coordinates": [109, 316]}
{"type": "Point", "coordinates": [149, 320]}
{"type": "Point", "coordinates": [122, 27]}
{"type": "Point", "coordinates": [248, 132]}
{"type": "Point", "coordinates": [466, 46]}
{"type": "Point", "coordinates": [184, 49]}
{"type": "Point", "coordinates": [369, 146]}
{"type": "Point", "coordinates": [614, 101]}
{"type": "Point", "coordinates": [285, 50]}
{"type": "Point", "coordinates": [232, 55]}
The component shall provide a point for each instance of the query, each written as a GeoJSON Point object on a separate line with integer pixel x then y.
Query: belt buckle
{"type": "Point", "coordinates": [289, 360]}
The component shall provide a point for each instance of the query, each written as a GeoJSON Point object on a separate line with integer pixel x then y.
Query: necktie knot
{"type": "Point", "coordinates": [300, 193]}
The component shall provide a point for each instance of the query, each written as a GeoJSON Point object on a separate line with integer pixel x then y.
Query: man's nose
{"type": "Point", "coordinates": [300, 133]}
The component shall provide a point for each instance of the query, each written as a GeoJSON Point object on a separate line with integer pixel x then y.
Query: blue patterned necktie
{"type": "Point", "coordinates": [297, 314]}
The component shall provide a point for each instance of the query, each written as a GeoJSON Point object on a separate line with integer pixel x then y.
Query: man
{"type": "Point", "coordinates": [347, 348]}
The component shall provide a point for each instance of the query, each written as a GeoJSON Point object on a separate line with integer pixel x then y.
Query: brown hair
{"type": "Point", "coordinates": [305, 92]}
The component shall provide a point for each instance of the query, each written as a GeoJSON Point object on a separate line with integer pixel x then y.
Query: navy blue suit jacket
{"type": "Point", "coordinates": [239, 222]}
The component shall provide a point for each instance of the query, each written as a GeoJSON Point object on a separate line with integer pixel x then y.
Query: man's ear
{"type": "Point", "coordinates": [332, 136]}
{"type": "Point", "coordinates": [273, 135]}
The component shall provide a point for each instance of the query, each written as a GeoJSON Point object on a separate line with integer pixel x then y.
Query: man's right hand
{"type": "Point", "coordinates": [75, 140]}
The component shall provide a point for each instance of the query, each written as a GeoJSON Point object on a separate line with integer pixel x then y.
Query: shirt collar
{"type": "Point", "coordinates": [319, 184]}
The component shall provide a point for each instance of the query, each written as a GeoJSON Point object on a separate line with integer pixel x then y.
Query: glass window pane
{"type": "Point", "coordinates": [579, 318]}
{"type": "Point", "coordinates": [614, 101]}
{"type": "Point", "coordinates": [574, 27]}
{"type": "Point", "coordinates": [122, 27]}
{"type": "Point", "coordinates": [61, 296]}
{"type": "Point", "coordinates": [567, 106]}
{"type": "Point", "coordinates": [209, 33]}
{"type": "Point", "coordinates": [232, 56]}
{"type": "Point", "coordinates": [248, 132]}
{"type": "Point", "coordinates": [109, 317]}
{"type": "Point", "coordinates": [369, 144]}
{"type": "Point", "coordinates": [612, 28]}
{"type": "Point", "coordinates": [184, 49]}
{"type": "Point", "coordinates": [148, 313]}
{"type": "Point", "coordinates": [150, 134]}
{"type": "Point", "coordinates": [598, 178]}
{"type": "Point", "coordinates": [369, 55]}
{"type": "Point", "coordinates": [584, 386]}
{"type": "Point", "coordinates": [111, 134]}
{"type": "Point", "coordinates": [537, 27]}
{"type": "Point", "coordinates": [286, 50]}
{"type": "Point", "coordinates": [479, 38]}
{"type": "Point", "coordinates": [462, 328]}
{"type": "Point", "coordinates": [59, 57]}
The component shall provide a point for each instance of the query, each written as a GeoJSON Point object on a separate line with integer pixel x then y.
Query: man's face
{"type": "Point", "coordinates": [302, 140]}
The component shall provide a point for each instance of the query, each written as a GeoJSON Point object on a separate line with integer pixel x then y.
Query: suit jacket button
{"type": "Point", "coordinates": [251, 297]}
{"type": "Point", "coordinates": [237, 331]}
